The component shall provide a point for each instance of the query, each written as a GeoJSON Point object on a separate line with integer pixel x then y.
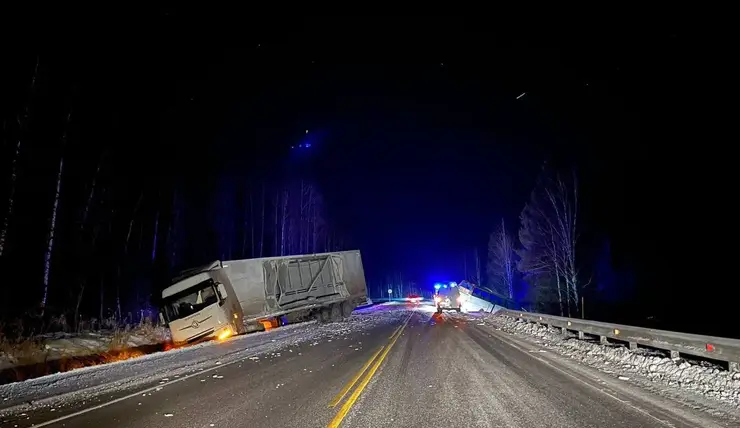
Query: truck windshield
{"type": "Point", "coordinates": [190, 301]}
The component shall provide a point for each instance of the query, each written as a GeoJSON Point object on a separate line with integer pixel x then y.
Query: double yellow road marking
{"type": "Point", "coordinates": [354, 380]}
{"type": "Point", "coordinates": [373, 364]}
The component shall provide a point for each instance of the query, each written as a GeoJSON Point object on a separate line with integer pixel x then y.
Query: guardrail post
{"type": "Point", "coordinates": [563, 331]}
{"type": "Point", "coordinates": [633, 346]}
{"type": "Point", "coordinates": [675, 355]}
{"type": "Point", "coordinates": [733, 366]}
{"type": "Point", "coordinates": [581, 336]}
{"type": "Point", "coordinates": [603, 340]}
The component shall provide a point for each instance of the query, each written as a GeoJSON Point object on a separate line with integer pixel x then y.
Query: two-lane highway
{"type": "Point", "coordinates": [418, 369]}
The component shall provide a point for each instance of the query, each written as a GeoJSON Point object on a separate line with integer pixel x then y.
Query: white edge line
{"type": "Point", "coordinates": [565, 372]}
{"type": "Point", "coordinates": [143, 391]}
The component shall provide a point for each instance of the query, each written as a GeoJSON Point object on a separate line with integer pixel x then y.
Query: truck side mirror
{"type": "Point", "coordinates": [222, 291]}
{"type": "Point", "coordinates": [161, 319]}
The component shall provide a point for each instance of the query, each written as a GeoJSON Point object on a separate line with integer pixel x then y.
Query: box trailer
{"type": "Point", "coordinates": [236, 296]}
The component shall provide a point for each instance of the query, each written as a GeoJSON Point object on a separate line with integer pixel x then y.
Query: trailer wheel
{"type": "Point", "coordinates": [324, 315]}
{"type": "Point", "coordinates": [336, 312]}
{"type": "Point", "coordinates": [347, 308]}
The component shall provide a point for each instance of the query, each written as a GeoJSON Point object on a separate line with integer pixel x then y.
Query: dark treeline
{"type": "Point", "coordinates": [107, 193]}
{"type": "Point", "coordinates": [554, 263]}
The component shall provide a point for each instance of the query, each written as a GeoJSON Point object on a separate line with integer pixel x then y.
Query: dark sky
{"type": "Point", "coordinates": [424, 144]}
{"type": "Point", "coordinates": [420, 143]}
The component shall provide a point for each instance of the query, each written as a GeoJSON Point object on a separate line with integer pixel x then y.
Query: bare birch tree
{"type": "Point", "coordinates": [478, 278]}
{"type": "Point", "coordinates": [302, 218]}
{"type": "Point", "coordinates": [538, 260]}
{"type": "Point", "coordinates": [548, 235]}
{"type": "Point", "coordinates": [501, 260]}
{"type": "Point", "coordinates": [23, 126]}
{"type": "Point", "coordinates": [465, 265]}
{"type": "Point", "coordinates": [93, 188]}
{"type": "Point", "coordinates": [154, 238]}
{"type": "Point", "coordinates": [125, 254]}
{"type": "Point", "coordinates": [262, 220]}
{"type": "Point", "coordinates": [283, 219]}
{"type": "Point", "coordinates": [53, 219]}
{"type": "Point", "coordinates": [276, 231]}
{"type": "Point", "coordinates": [317, 220]}
{"type": "Point", "coordinates": [172, 230]}
{"type": "Point", "coordinates": [247, 223]}
{"type": "Point", "coordinates": [563, 221]}
{"type": "Point", "coordinates": [251, 219]}
{"type": "Point", "coordinates": [89, 249]}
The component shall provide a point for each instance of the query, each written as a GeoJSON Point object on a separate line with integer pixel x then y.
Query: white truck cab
{"type": "Point", "coordinates": [197, 307]}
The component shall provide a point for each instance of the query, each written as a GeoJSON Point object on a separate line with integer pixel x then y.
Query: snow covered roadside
{"type": "Point", "coordinates": [679, 376]}
{"type": "Point", "coordinates": [67, 388]}
{"type": "Point", "coordinates": [56, 346]}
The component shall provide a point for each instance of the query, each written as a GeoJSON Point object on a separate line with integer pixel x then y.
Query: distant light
{"type": "Point", "coordinates": [308, 144]}
{"type": "Point", "coordinates": [306, 131]}
{"type": "Point", "coordinates": [437, 286]}
{"type": "Point", "coordinates": [444, 285]}
{"type": "Point", "coordinates": [523, 94]}
{"type": "Point", "coordinates": [453, 284]}
{"type": "Point", "coordinates": [390, 291]}
{"type": "Point", "coordinates": [292, 147]}
{"type": "Point", "coordinates": [300, 145]}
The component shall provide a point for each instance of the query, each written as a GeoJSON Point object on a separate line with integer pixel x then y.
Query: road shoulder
{"type": "Point", "coordinates": [629, 391]}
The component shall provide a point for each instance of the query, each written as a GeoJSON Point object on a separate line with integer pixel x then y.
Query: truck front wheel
{"type": "Point", "coordinates": [336, 312]}
{"type": "Point", "coordinates": [324, 315]}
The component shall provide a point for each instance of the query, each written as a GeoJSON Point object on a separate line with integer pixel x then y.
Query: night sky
{"type": "Point", "coordinates": [421, 139]}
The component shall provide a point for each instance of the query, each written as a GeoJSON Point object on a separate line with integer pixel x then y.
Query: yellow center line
{"type": "Point", "coordinates": [395, 332]}
{"type": "Point", "coordinates": [338, 398]}
{"type": "Point", "coordinates": [356, 394]}
{"type": "Point", "coordinates": [354, 380]}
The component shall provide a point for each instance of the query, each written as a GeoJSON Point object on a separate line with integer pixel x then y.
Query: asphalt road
{"type": "Point", "coordinates": [418, 369]}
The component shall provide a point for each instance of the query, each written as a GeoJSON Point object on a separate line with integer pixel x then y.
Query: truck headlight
{"type": "Point", "coordinates": [225, 333]}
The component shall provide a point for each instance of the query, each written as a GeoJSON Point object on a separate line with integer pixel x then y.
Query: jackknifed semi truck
{"type": "Point", "coordinates": [225, 298]}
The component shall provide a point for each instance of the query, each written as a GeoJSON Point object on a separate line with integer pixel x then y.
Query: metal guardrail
{"type": "Point", "coordinates": [710, 347]}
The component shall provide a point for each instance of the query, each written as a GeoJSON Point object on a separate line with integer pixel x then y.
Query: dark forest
{"type": "Point", "coordinates": [124, 166]}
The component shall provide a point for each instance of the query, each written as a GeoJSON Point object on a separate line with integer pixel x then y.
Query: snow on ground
{"type": "Point", "coordinates": [55, 346]}
{"type": "Point", "coordinates": [681, 375]}
{"type": "Point", "coordinates": [61, 389]}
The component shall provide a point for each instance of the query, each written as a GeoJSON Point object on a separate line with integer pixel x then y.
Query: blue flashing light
{"type": "Point", "coordinates": [437, 286]}
{"type": "Point", "coordinates": [444, 286]}
{"type": "Point", "coordinates": [453, 284]}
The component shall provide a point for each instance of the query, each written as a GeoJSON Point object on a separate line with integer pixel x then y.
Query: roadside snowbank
{"type": "Point", "coordinates": [700, 377]}
{"type": "Point", "coordinates": [62, 389]}
{"type": "Point", "coordinates": [56, 346]}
